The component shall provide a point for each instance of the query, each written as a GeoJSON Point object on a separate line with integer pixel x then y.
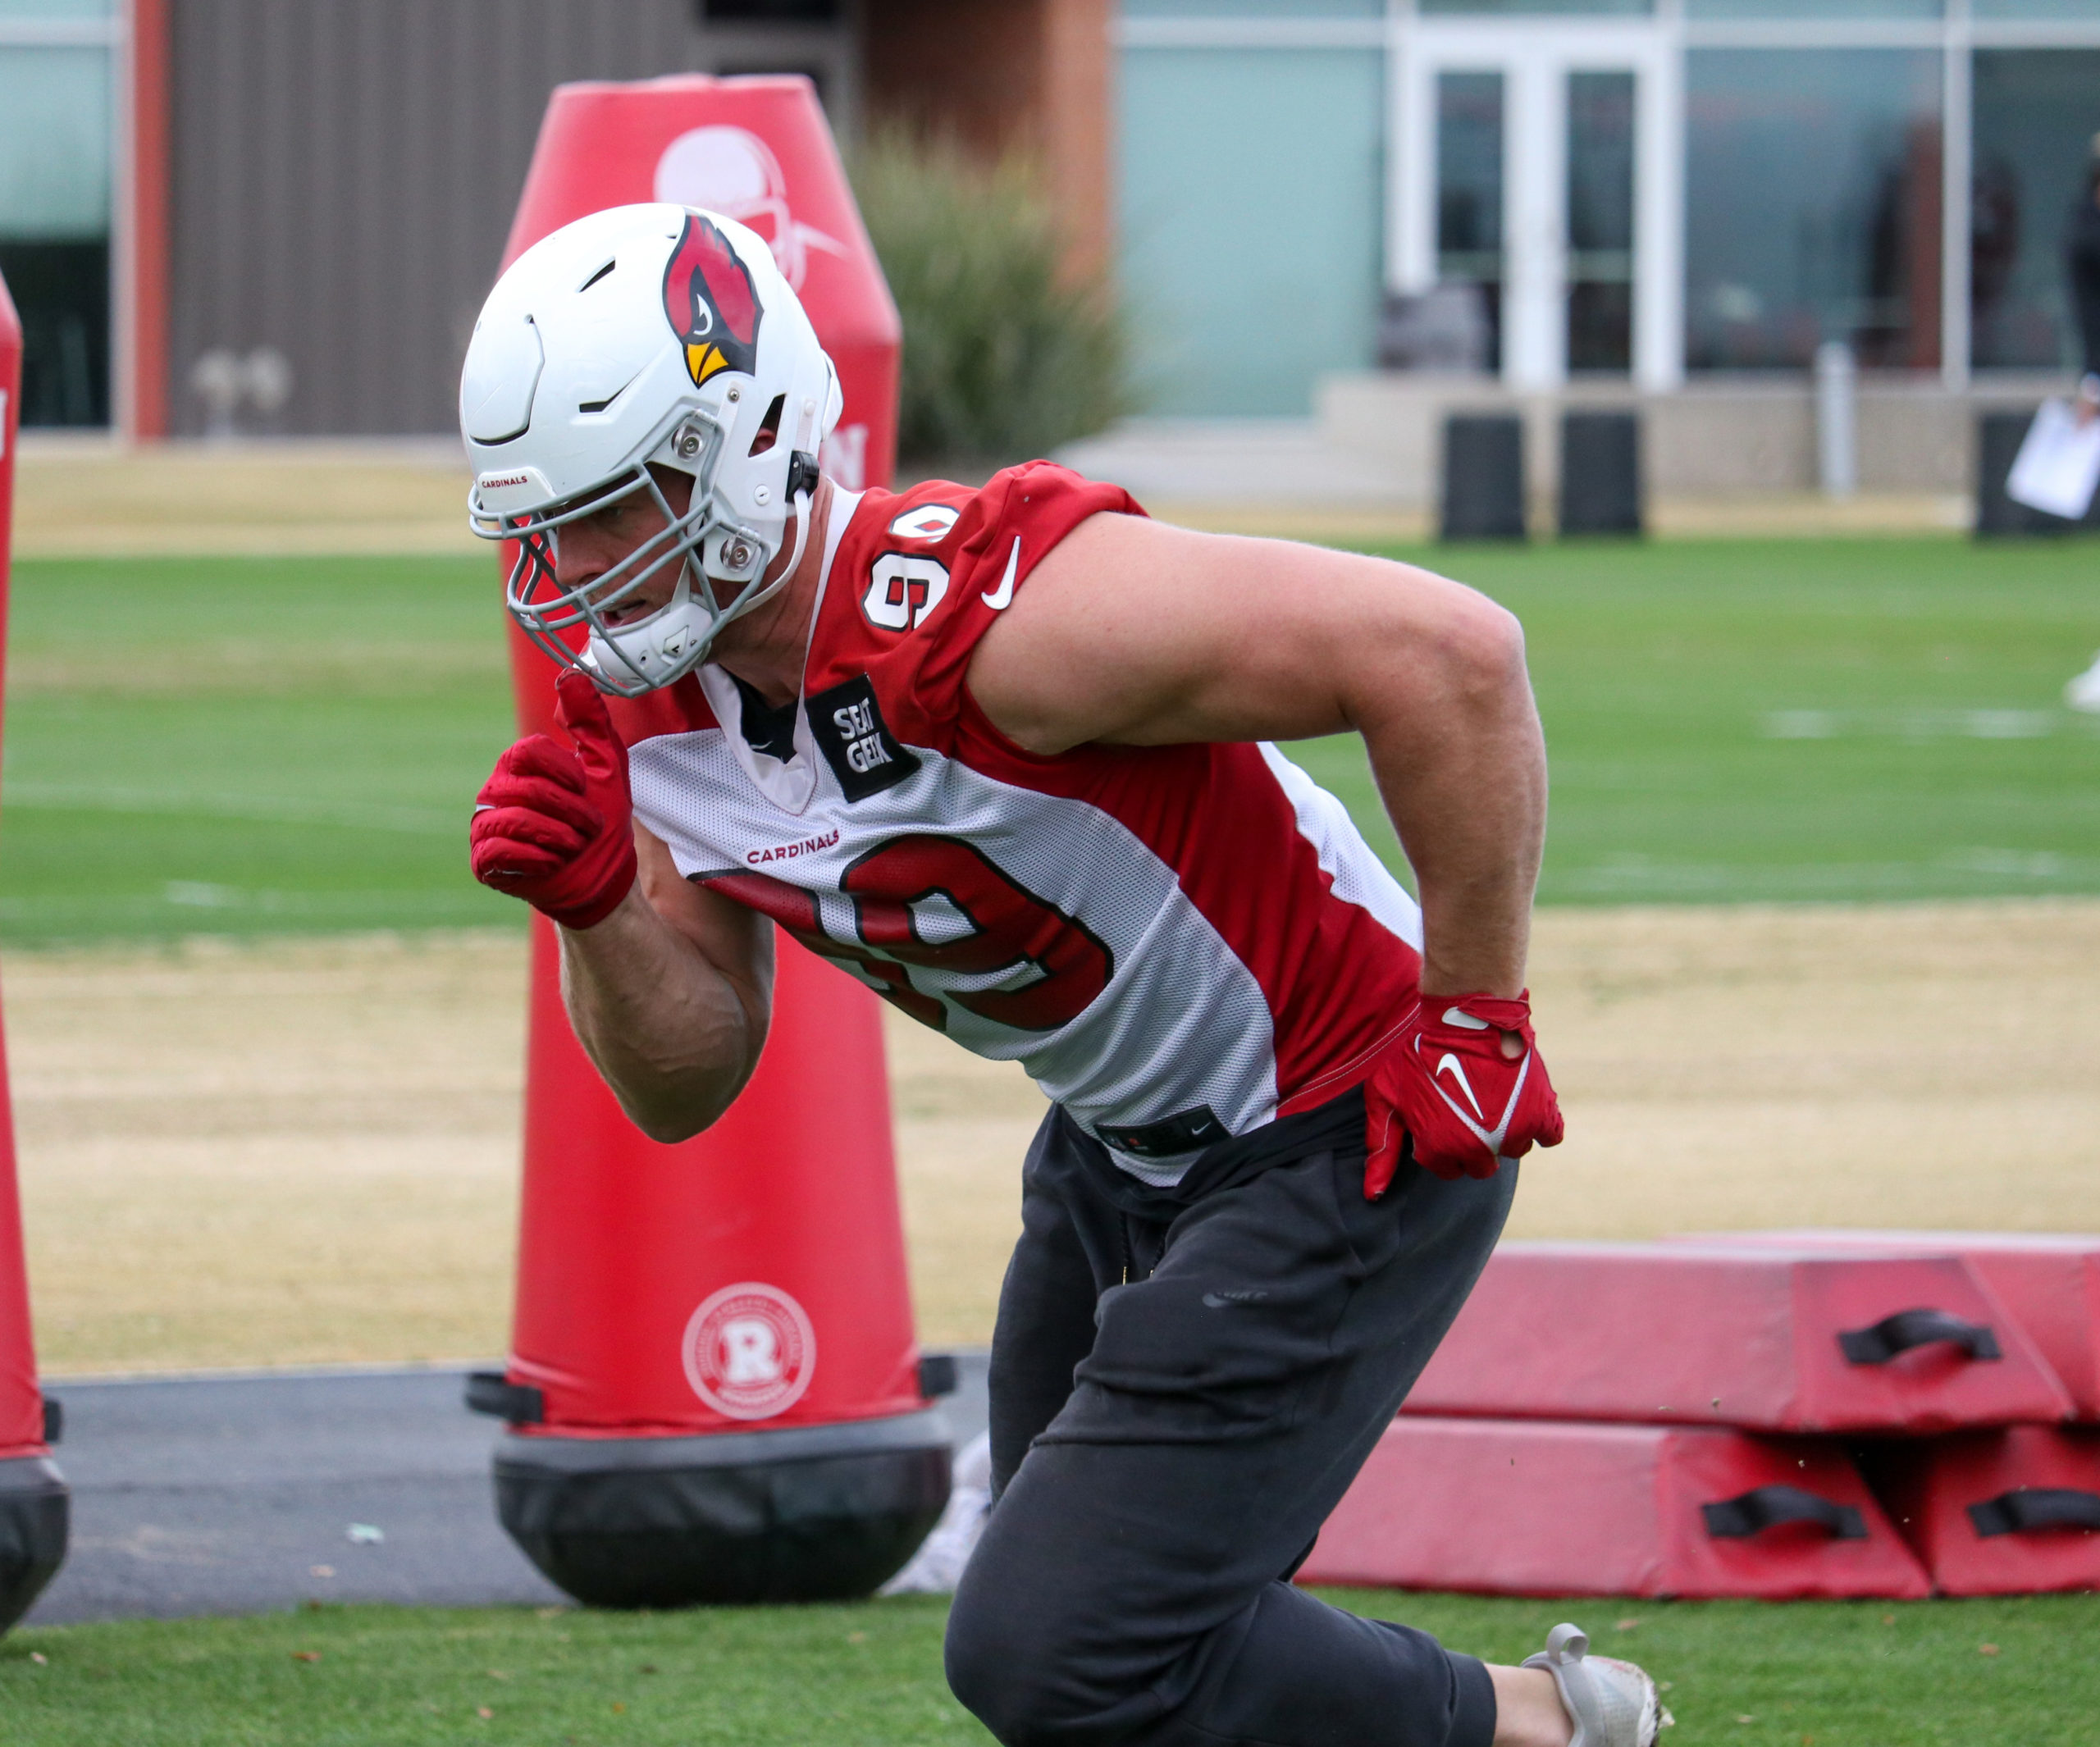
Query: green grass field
{"type": "Point", "coordinates": [254, 746]}
{"type": "Point", "coordinates": [1934, 1674]}
{"type": "Point", "coordinates": [240, 745]}
{"type": "Point", "coordinates": [1775, 720]}
{"type": "Point", "coordinates": [236, 746]}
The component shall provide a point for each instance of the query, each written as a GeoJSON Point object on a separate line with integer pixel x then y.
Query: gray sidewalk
{"type": "Point", "coordinates": [238, 1495]}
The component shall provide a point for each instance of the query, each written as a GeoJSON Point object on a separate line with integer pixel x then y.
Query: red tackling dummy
{"type": "Point", "coordinates": [1453, 1082]}
{"type": "Point", "coordinates": [773, 1239]}
{"type": "Point", "coordinates": [554, 826]}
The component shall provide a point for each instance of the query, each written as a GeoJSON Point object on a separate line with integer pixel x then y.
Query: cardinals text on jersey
{"type": "Point", "coordinates": [1179, 943]}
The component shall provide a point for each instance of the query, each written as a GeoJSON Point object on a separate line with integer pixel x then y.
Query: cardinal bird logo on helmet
{"type": "Point", "coordinates": [711, 302]}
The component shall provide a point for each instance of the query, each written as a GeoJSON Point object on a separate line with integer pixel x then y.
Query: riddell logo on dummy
{"type": "Point", "coordinates": [789, 851]}
{"type": "Point", "coordinates": [750, 1351]}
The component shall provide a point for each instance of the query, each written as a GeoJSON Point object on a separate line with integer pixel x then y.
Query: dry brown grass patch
{"type": "Point", "coordinates": [296, 1152]}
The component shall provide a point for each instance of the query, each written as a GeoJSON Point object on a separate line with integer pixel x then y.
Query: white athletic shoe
{"type": "Point", "coordinates": [2083, 692]}
{"type": "Point", "coordinates": [1611, 1703]}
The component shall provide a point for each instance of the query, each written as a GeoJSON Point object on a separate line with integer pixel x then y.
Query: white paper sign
{"type": "Point", "coordinates": [2058, 465]}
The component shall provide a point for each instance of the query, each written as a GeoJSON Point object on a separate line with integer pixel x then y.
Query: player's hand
{"type": "Point", "coordinates": [1465, 1081]}
{"type": "Point", "coordinates": [554, 825]}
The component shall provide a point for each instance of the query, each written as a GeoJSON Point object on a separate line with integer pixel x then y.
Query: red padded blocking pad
{"type": "Point", "coordinates": [21, 1403]}
{"type": "Point", "coordinates": [2041, 1540]}
{"type": "Point", "coordinates": [1742, 1336]}
{"type": "Point", "coordinates": [2050, 1284]}
{"type": "Point", "coordinates": [1547, 1508]}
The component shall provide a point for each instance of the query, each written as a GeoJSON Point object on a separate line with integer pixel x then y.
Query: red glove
{"type": "Point", "coordinates": [555, 826]}
{"type": "Point", "coordinates": [1465, 1080]}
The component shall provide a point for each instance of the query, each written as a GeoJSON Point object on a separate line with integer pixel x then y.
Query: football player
{"type": "Point", "coordinates": [1006, 755]}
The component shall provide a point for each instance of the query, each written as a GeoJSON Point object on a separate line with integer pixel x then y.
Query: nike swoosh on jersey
{"type": "Point", "coordinates": [1001, 597]}
{"type": "Point", "coordinates": [1463, 1020]}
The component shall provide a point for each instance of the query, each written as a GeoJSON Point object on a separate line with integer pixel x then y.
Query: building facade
{"type": "Point", "coordinates": [281, 215]}
{"type": "Point", "coordinates": [1650, 190]}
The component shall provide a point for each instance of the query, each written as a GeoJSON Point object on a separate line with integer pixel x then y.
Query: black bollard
{"type": "Point", "coordinates": [1998, 517]}
{"type": "Point", "coordinates": [1483, 476]}
{"type": "Point", "coordinates": [1998, 438]}
{"type": "Point", "coordinates": [35, 1510]}
{"type": "Point", "coordinates": [1600, 473]}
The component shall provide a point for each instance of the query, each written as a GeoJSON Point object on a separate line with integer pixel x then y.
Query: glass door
{"type": "Point", "coordinates": [1469, 174]}
{"type": "Point", "coordinates": [1599, 222]}
{"type": "Point", "coordinates": [1531, 173]}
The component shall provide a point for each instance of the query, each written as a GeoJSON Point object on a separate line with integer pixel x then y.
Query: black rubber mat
{"type": "Point", "coordinates": [237, 1494]}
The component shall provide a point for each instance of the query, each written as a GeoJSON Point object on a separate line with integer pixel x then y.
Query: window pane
{"type": "Point", "coordinates": [71, 10]}
{"type": "Point", "coordinates": [1601, 221]}
{"type": "Point", "coordinates": [1252, 252]}
{"type": "Point", "coordinates": [54, 226]}
{"type": "Point", "coordinates": [2036, 111]}
{"type": "Point", "coordinates": [1622, 6]}
{"type": "Point", "coordinates": [2088, 9]}
{"type": "Point", "coordinates": [54, 142]}
{"type": "Point", "coordinates": [1469, 193]}
{"type": "Point", "coordinates": [1812, 207]}
{"type": "Point", "coordinates": [61, 292]}
{"type": "Point", "coordinates": [1813, 8]}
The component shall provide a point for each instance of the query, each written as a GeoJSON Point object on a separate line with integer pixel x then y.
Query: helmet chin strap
{"type": "Point", "coordinates": [802, 504]}
{"type": "Point", "coordinates": [682, 594]}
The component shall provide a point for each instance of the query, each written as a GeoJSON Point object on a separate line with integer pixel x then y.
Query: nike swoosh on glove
{"type": "Point", "coordinates": [1445, 1084]}
{"type": "Point", "coordinates": [554, 825]}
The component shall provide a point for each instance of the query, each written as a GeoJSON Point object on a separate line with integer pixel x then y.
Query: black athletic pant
{"type": "Point", "coordinates": [1183, 1383]}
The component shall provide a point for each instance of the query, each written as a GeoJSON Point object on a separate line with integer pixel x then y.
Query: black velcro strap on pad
{"type": "Point", "coordinates": [2029, 1509]}
{"type": "Point", "coordinates": [1880, 1342]}
{"type": "Point", "coordinates": [1767, 1506]}
{"type": "Point", "coordinates": [491, 1393]}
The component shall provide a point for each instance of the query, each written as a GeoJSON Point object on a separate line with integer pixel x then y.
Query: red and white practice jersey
{"type": "Point", "coordinates": [1179, 943]}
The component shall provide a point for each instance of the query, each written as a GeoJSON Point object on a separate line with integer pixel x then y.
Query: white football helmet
{"type": "Point", "coordinates": [640, 336]}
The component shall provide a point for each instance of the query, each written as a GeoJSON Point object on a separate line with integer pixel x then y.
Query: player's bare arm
{"type": "Point", "coordinates": [668, 987]}
{"type": "Point", "coordinates": [1141, 634]}
{"type": "Point", "coordinates": [671, 992]}
{"type": "Point", "coordinates": [670, 996]}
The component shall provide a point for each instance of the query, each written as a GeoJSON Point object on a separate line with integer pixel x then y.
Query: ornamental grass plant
{"type": "Point", "coordinates": [1008, 350]}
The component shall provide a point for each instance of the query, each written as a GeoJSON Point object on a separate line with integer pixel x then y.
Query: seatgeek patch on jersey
{"type": "Point", "coordinates": [847, 724]}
